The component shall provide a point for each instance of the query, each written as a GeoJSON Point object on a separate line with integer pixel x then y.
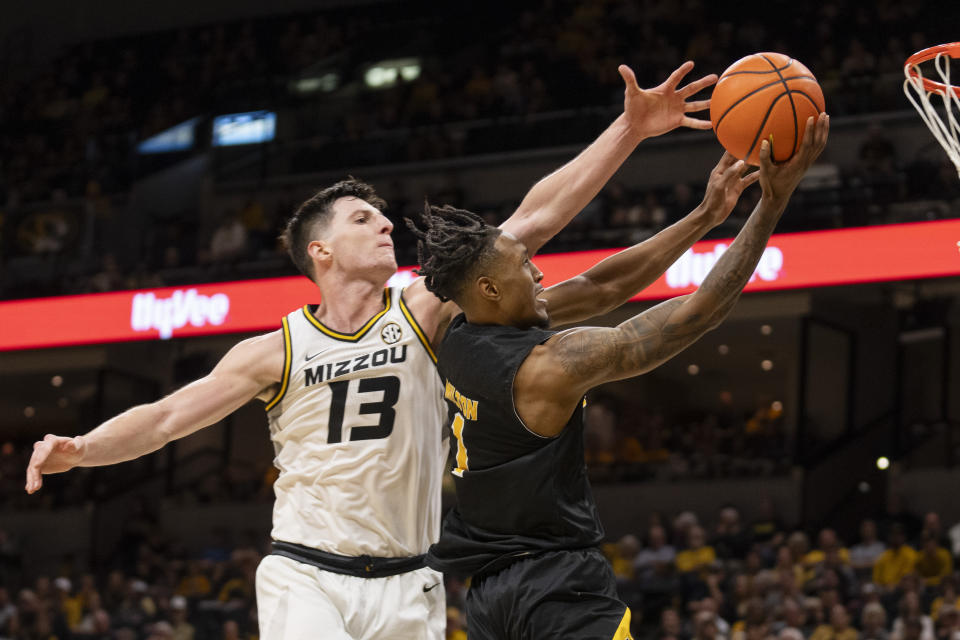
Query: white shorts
{"type": "Point", "coordinates": [297, 601]}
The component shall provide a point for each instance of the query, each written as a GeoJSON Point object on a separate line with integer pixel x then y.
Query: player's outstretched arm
{"type": "Point", "coordinates": [614, 280]}
{"type": "Point", "coordinates": [553, 378]}
{"type": "Point", "coordinates": [246, 371]}
{"type": "Point", "coordinates": [556, 199]}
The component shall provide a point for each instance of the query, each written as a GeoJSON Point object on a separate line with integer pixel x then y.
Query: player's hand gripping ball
{"type": "Point", "coordinates": [764, 96]}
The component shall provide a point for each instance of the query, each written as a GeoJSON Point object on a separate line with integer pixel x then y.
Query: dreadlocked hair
{"type": "Point", "coordinates": [452, 245]}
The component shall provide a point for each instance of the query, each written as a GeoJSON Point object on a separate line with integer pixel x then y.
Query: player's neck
{"type": "Point", "coordinates": [346, 306]}
{"type": "Point", "coordinates": [483, 314]}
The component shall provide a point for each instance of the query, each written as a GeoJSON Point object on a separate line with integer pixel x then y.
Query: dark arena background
{"type": "Point", "coordinates": [750, 488]}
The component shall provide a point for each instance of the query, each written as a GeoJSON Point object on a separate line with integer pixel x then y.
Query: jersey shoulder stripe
{"type": "Point", "coordinates": [287, 362]}
{"type": "Point", "coordinates": [416, 328]}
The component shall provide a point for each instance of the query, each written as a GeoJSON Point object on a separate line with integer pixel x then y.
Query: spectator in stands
{"type": "Point", "coordinates": [705, 626]}
{"type": "Point", "coordinates": [873, 622]}
{"type": "Point", "coordinates": [931, 528]}
{"type": "Point", "coordinates": [66, 602]}
{"type": "Point", "coordinates": [622, 556]}
{"type": "Point", "coordinates": [195, 584]}
{"type": "Point", "coordinates": [229, 240]}
{"type": "Point", "coordinates": [947, 596]}
{"type": "Point", "coordinates": [730, 539]}
{"type": "Point", "coordinates": [767, 526]}
{"type": "Point", "coordinates": [865, 553]}
{"type": "Point", "coordinates": [828, 542]}
{"type": "Point", "coordinates": [456, 624]}
{"type": "Point", "coordinates": [7, 613]}
{"type": "Point", "coordinates": [896, 562]}
{"type": "Point", "coordinates": [795, 616]}
{"type": "Point", "coordinates": [911, 620]}
{"type": "Point", "coordinates": [947, 626]}
{"type": "Point", "coordinates": [95, 621]}
{"type": "Point", "coordinates": [799, 545]}
{"type": "Point", "coordinates": [698, 555]}
{"type": "Point", "coordinates": [934, 563]}
{"type": "Point", "coordinates": [655, 561]}
{"type": "Point", "coordinates": [670, 626]}
{"type": "Point", "coordinates": [181, 627]}
{"type": "Point", "coordinates": [109, 278]}
{"type": "Point", "coordinates": [839, 627]}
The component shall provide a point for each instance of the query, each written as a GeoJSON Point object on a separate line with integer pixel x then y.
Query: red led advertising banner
{"type": "Point", "coordinates": [790, 261]}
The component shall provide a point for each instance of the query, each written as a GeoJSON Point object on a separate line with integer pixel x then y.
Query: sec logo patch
{"type": "Point", "coordinates": [391, 333]}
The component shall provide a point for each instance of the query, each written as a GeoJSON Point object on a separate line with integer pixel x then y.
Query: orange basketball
{"type": "Point", "coordinates": [763, 95]}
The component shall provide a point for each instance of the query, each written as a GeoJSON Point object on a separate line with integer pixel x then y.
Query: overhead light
{"type": "Point", "coordinates": [883, 463]}
{"type": "Point", "coordinates": [388, 73]}
{"type": "Point", "coordinates": [29, 412]}
{"type": "Point", "coordinates": [327, 82]}
{"type": "Point", "coordinates": [693, 369]}
{"type": "Point", "coordinates": [777, 405]}
{"type": "Point", "coordinates": [766, 365]}
{"type": "Point", "coordinates": [56, 381]}
{"type": "Point", "coordinates": [766, 329]}
{"type": "Point", "coordinates": [723, 349]}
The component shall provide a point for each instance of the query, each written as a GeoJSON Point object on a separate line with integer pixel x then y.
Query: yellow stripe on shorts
{"type": "Point", "coordinates": [623, 631]}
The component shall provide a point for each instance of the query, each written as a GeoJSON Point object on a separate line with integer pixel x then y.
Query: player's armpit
{"type": "Point", "coordinates": [251, 369]}
{"type": "Point", "coordinates": [432, 314]}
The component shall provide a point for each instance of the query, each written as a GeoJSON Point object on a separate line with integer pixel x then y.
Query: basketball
{"type": "Point", "coordinates": [764, 95]}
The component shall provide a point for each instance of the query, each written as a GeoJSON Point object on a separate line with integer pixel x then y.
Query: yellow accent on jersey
{"type": "Point", "coordinates": [458, 423]}
{"type": "Point", "coordinates": [416, 328]}
{"type": "Point", "coordinates": [623, 631]}
{"type": "Point", "coordinates": [287, 361]}
{"type": "Point", "coordinates": [349, 337]}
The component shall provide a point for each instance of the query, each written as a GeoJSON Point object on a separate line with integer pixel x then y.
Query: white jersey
{"type": "Point", "coordinates": [357, 426]}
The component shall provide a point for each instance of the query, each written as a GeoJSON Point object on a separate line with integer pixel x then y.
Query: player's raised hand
{"type": "Point", "coordinates": [727, 182]}
{"type": "Point", "coordinates": [779, 180]}
{"type": "Point", "coordinates": [653, 112]}
{"type": "Point", "coordinates": [53, 454]}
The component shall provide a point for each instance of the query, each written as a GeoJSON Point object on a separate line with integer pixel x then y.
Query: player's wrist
{"type": "Point", "coordinates": [634, 132]}
{"type": "Point", "coordinates": [703, 215]}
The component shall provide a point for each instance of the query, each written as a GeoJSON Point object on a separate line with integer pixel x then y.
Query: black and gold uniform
{"type": "Point", "coordinates": [525, 526]}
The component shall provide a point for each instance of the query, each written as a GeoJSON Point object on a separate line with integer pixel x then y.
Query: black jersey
{"type": "Point", "coordinates": [518, 493]}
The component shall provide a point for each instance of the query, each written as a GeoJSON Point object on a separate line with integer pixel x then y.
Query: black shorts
{"type": "Point", "coordinates": [555, 594]}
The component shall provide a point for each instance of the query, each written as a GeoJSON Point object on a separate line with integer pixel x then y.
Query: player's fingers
{"type": "Point", "coordinates": [807, 144]}
{"type": "Point", "coordinates": [749, 179]}
{"type": "Point", "coordinates": [726, 161]}
{"type": "Point", "coordinates": [34, 478]}
{"type": "Point", "coordinates": [696, 123]}
{"type": "Point", "coordinates": [697, 85]}
{"type": "Point", "coordinates": [678, 74]}
{"type": "Point", "coordinates": [629, 79]}
{"type": "Point", "coordinates": [732, 173]}
{"type": "Point", "coordinates": [766, 148]}
{"type": "Point", "coordinates": [723, 164]}
{"type": "Point", "coordinates": [823, 130]}
{"type": "Point", "coordinates": [698, 105]}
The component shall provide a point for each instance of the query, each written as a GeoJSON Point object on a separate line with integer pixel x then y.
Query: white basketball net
{"type": "Point", "coordinates": [947, 133]}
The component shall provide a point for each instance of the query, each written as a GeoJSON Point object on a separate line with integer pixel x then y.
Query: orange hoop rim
{"type": "Point", "coordinates": [952, 49]}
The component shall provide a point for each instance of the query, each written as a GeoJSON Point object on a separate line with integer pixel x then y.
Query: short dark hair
{"type": "Point", "coordinates": [298, 232]}
{"type": "Point", "coordinates": [452, 246]}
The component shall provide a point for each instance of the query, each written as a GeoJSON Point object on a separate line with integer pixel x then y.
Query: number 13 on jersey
{"type": "Point", "coordinates": [457, 426]}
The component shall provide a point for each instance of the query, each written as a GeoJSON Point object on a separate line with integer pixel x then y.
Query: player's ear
{"type": "Point", "coordinates": [320, 251]}
{"type": "Point", "coordinates": [488, 289]}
